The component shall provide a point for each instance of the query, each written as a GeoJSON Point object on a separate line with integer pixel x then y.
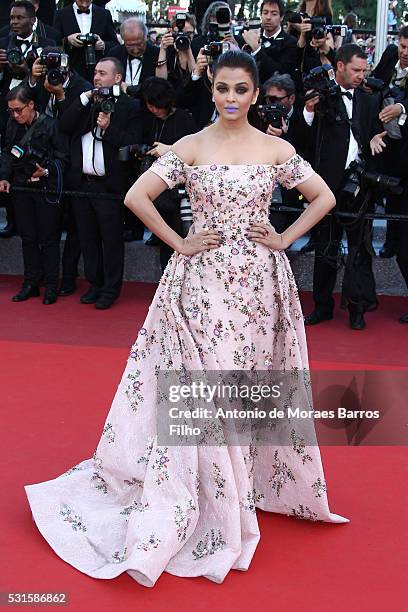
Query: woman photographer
{"type": "Point", "coordinates": [176, 62]}
{"type": "Point", "coordinates": [163, 125]}
{"type": "Point", "coordinates": [34, 156]}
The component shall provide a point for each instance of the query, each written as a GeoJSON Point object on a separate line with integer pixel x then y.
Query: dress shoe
{"type": "Point", "coordinates": [104, 302]}
{"type": "Point", "coordinates": [27, 290]}
{"type": "Point", "coordinates": [356, 320]}
{"type": "Point", "coordinates": [404, 318]}
{"type": "Point", "coordinates": [66, 289]}
{"type": "Point", "coordinates": [309, 247]}
{"type": "Point", "coordinates": [387, 251]}
{"type": "Point", "coordinates": [316, 317]}
{"type": "Point", "coordinates": [8, 231]}
{"type": "Point", "coordinates": [90, 297]}
{"type": "Point", "coordinates": [50, 296]}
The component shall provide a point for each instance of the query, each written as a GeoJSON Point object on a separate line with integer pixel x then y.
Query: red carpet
{"type": "Point", "coordinates": [60, 367]}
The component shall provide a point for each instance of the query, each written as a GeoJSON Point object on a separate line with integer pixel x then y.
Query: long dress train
{"type": "Point", "coordinates": [144, 508]}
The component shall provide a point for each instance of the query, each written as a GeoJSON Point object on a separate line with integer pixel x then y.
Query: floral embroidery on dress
{"type": "Point", "coordinates": [319, 487]}
{"type": "Point", "coordinates": [76, 468]}
{"type": "Point", "coordinates": [293, 171]}
{"type": "Point", "coordinates": [98, 483]}
{"type": "Point", "coordinates": [74, 519]}
{"type": "Point", "coordinates": [117, 557]}
{"type": "Point", "coordinates": [219, 482]}
{"type": "Point", "coordinates": [151, 542]}
{"type": "Point", "coordinates": [135, 507]}
{"type": "Point", "coordinates": [303, 512]}
{"type": "Point", "coordinates": [282, 473]}
{"type": "Point", "coordinates": [109, 433]}
{"type": "Point", "coordinates": [161, 464]}
{"type": "Point", "coordinates": [211, 543]}
{"type": "Point", "coordinates": [196, 477]}
{"type": "Point", "coordinates": [251, 500]}
{"type": "Point", "coordinates": [134, 482]}
{"type": "Point", "coordinates": [299, 446]}
{"type": "Point", "coordinates": [146, 457]}
{"type": "Point", "coordinates": [182, 518]}
{"type": "Point", "coordinates": [132, 391]}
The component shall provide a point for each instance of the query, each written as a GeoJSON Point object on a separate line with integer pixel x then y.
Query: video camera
{"type": "Point", "coordinates": [322, 81]}
{"type": "Point", "coordinates": [106, 97]}
{"type": "Point", "coordinates": [56, 64]}
{"type": "Point", "coordinates": [89, 41]}
{"type": "Point", "coordinates": [273, 113]}
{"type": "Point", "coordinates": [181, 39]}
{"type": "Point", "coordinates": [214, 49]}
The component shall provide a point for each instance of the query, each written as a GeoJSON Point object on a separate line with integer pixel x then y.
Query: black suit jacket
{"type": "Point", "coordinates": [124, 129]}
{"type": "Point", "coordinates": [149, 61]}
{"type": "Point", "coordinates": [66, 23]}
{"type": "Point", "coordinates": [385, 70]}
{"type": "Point", "coordinates": [280, 56]}
{"type": "Point", "coordinates": [43, 30]}
{"type": "Point", "coordinates": [335, 136]}
{"type": "Point", "coordinates": [75, 87]}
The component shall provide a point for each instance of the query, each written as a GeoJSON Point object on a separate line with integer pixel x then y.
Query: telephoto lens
{"type": "Point", "coordinates": [186, 215]}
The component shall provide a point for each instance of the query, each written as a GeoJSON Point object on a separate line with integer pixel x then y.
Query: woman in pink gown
{"type": "Point", "coordinates": [226, 301]}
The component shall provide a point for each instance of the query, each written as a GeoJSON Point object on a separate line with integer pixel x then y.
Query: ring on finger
{"type": "Point", "coordinates": [205, 242]}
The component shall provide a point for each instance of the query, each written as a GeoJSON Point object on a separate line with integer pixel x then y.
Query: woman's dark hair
{"type": "Point", "coordinates": [322, 7]}
{"type": "Point", "coordinates": [238, 59]}
{"type": "Point", "coordinates": [211, 12]}
{"type": "Point", "coordinates": [159, 92]}
{"type": "Point", "coordinates": [22, 93]}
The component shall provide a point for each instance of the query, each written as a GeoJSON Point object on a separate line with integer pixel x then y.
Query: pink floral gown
{"type": "Point", "coordinates": [142, 508]}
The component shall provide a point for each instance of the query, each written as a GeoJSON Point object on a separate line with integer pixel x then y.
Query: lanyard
{"type": "Point", "coordinates": [132, 78]}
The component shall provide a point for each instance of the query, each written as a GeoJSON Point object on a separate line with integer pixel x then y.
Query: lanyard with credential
{"type": "Point", "coordinates": [132, 78]}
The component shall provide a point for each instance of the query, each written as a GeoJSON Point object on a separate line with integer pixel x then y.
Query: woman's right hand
{"type": "Point", "coordinates": [201, 64]}
{"type": "Point", "coordinates": [201, 241]}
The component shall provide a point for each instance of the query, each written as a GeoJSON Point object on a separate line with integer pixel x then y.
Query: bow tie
{"type": "Point", "coordinates": [86, 11]}
{"type": "Point", "coordinates": [348, 94]}
{"type": "Point", "coordinates": [23, 41]}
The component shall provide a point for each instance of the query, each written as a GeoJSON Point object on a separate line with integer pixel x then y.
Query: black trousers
{"type": "Point", "coordinates": [72, 247]}
{"type": "Point", "coordinates": [358, 282]}
{"type": "Point", "coordinates": [401, 235]}
{"type": "Point", "coordinates": [38, 224]}
{"type": "Point", "coordinates": [100, 227]}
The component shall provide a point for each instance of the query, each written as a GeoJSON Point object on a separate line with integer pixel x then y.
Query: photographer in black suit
{"type": "Point", "coordinates": [42, 29]}
{"type": "Point", "coordinates": [343, 136]}
{"type": "Point", "coordinates": [137, 55]}
{"type": "Point", "coordinates": [274, 50]}
{"type": "Point", "coordinates": [99, 123]}
{"type": "Point", "coordinates": [82, 19]}
{"type": "Point", "coordinates": [393, 70]}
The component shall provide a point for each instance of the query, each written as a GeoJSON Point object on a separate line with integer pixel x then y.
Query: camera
{"type": "Point", "coordinates": [181, 39]}
{"type": "Point", "coordinates": [138, 153]}
{"type": "Point", "coordinates": [336, 30]}
{"type": "Point", "coordinates": [15, 56]}
{"type": "Point", "coordinates": [56, 64]}
{"type": "Point", "coordinates": [376, 85]}
{"type": "Point", "coordinates": [28, 158]}
{"type": "Point", "coordinates": [214, 49]}
{"type": "Point", "coordinates": [273, 113]}
{"type": "Point", "coordinates": [223, 18]}
{"type": "Point", "coordinates": [322, 81]}
{"type": "Point", "coordinates": [358, 176]}
{"type": "Point", "coordinates": [252, 24]}
{"type": "Point", "coordinates": [106, 98]}
{"type": "Point", "coordinates": [89, 41]}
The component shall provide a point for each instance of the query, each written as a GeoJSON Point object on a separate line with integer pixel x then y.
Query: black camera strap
{"type": "Point", "coordinates": [28, 134]}
{"type": "Point", "coordinates": [139, 68]}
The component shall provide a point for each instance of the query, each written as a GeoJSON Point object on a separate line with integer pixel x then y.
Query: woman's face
{"type": "Point", "coordinates": [233, 93]}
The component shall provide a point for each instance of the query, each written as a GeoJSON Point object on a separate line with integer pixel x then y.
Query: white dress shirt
{"type": "Point", "coordinates": [265, 39]}
{"type": "Point", "coordinates": [25, 48]}
{"type": "Point", "coordinates": [84, 20]}
{"type": "Point", "coordinates": [93, 162]}
{"type": "Point", "coordinates": [133, 70]}
{"type": "Point", "coordinates": [353, 149]}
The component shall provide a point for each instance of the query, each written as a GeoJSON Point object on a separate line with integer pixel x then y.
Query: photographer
{"type": "Point", "coordinates": [281, 118]}
{"type": "Point", "coordinates": [216, 26]}
{"type": "Point", "coordinates": [392, 69]}
{"type": "Point", "coordinates": [83, 45]}
{"type": "Point", "coordinates": [273, 49]}
{"type": "Point", "coordinates": [137, 55]}
{"type": "Point", "coordinates": [15, 49]}
{"type": "Point", "coordinates": [176, 60]}
{"type": "Point", "coordinates": [163, 125]}
{"type": "Point", "coordinates": [342, 120]}
{"type": "Point", "coordinates": [99, 122]}
{"type": "Point", "coordinates": [41, 29]}
{"type": "Point", "coordinates": [34, 155]}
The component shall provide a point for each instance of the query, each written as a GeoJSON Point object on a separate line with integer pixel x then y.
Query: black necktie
{"type": "Point", "coordinates": [86, 11]}
{"type": "Point", "coordinates": [348, 94]}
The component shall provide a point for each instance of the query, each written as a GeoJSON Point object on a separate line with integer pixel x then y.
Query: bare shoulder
{"type": "Point", "coordinates": [277, 150]}
{"type": "Point", "coordinates": [186, 148]}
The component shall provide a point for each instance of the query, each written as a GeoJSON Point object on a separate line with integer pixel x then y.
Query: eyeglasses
{"type": "Point", "coordinates": [16, 111]}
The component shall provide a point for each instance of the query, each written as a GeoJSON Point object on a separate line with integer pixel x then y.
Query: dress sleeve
{"type": "Point", "coordinates": [170, 168]}
{"type": "Point", "coordinates": [294, 171]}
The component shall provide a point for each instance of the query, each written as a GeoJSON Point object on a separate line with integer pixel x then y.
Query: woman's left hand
{"type": "Point", "coordinates": [158, 149]}
{"type": "Point", "coordinates": [265, 233]}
